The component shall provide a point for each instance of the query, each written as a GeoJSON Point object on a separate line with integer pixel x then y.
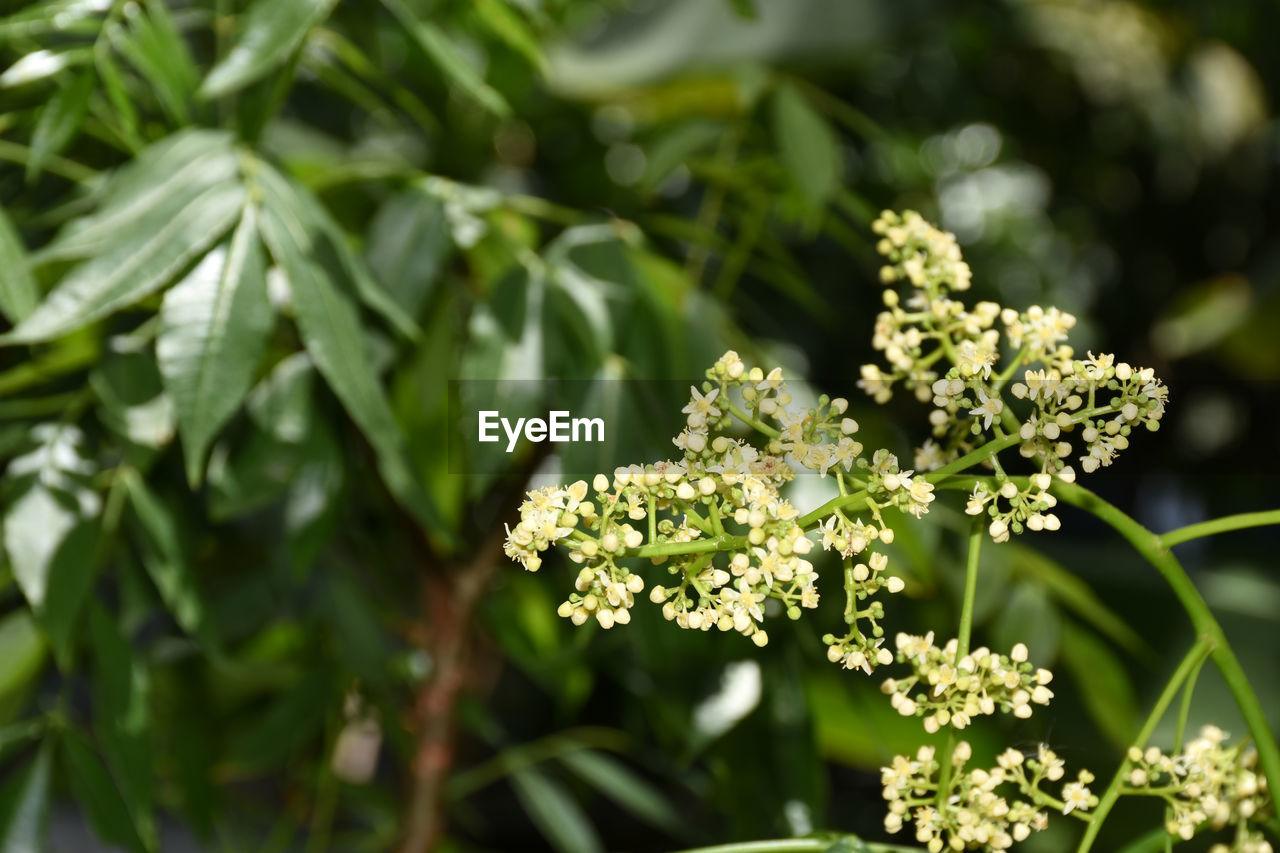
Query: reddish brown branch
{"type": "Point", "coordinates": [451, 599]}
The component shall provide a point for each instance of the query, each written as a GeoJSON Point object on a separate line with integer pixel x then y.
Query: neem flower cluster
{"type": "Point", "coordinates": [723, 543]}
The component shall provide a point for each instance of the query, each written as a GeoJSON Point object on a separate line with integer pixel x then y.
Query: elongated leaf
{"type": "Point", "coordinates": [16, 733]}
{"type": "Point", "coordinates": [809, 147]}
{"type": "Point", "coordinates": [617, 782]}
{"type": "Point", "coordinates": [156, 50]}
{"type": "Point", "coordinates": [149, 192]}
{"type": "Point", "coordinates": [137, 266]}
{"type": "Point", "coordinates": [18, 291]}
{"type": "Point", "coordinates": [23, 819]}
{"type": "Point", "coordinates": [270, 32]}
{"type": "Point", "coordinates": [505, 23]}
{"type": "Point", "coordinates": [214, 326]}
{"type": "Point", "coordinates": [561, 820]}
{"type": "Point", "coordinates": [1103, 683]}
{"type": "Point", "coordinates": [166, 561]}
{"type": "Point", "coordinates": [50, 16]}
{"type": "Point", "coordinates": [328, 241]}
{"type": "Point", "coordinates": [42, 64]}
{"type": "Point", "coordinates": [121, 715]}
{"type": "Point", "coordinates": [35, 526]}
{"type": "Point", "coordinates": [97, 793]}
{"type": "Point", "coordinates": [22, 651]}
{"type": "Point", "coordinates": [407, 247]}
{"type": "Point", "coordinates": [59, 121]}
{"type": "Point", "coordinates": [330, 327]}
{"type": "Point", "coordinates": [436, 45]}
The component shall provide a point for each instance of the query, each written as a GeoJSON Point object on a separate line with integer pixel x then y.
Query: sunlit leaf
{"type": "Point", "coordinates": [505, 23]}
{"type": "Point", "coordinates": [267, 35]}
{"type": "Point", "coordinates": [42, 64]}
{"type": "Point", "coordinates": [136, 266]}
{"type": "Point", "coordinates": [214, 326]}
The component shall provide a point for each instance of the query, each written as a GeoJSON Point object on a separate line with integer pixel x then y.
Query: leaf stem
{"type": "Point", "coordinates": [1218, 525]}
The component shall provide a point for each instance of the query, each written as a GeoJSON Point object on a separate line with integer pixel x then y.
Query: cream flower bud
{"type": "Point", "coordinates": [600, 483]}
{"type": "Point", "coordinates": [760, 638]}
{"type": "Point", "coordinates": [605, 617]}
{"type": "Point", "coordinates": [685, 492]}
{"type": "Point", "coordinates": [1019, 653]}
{"type": "Point", "coordinates": [633, 538]}
{"type": "Point", "coordinates": [895, 584]}
{"type": "Point", "coordinates": [658, 594]}
{"type": "Point", "coordinates": [848, 426]}
{"type": "Point", "coordinates": [565, 610]}
{"type": "Point", "coordinates": [707, 486]}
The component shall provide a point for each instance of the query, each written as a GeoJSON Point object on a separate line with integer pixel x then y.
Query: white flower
{"type": "Point", "coordinates": [988, 408]}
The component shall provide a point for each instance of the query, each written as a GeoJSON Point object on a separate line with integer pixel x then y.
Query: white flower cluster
{"type": "Point", "coordinates": [955, 691]}
{"type": "Point", "coordinates": [950, 355]}
{"type": "Point", "coordinates": [546, 516]}
{"type": "Point", "coordinates": [976, 811]}
{"type": "Point", "coordinates": [1207, 784]}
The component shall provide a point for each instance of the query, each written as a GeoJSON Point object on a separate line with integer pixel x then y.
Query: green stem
{"type": "Point", "coordinates": [1185, 708]}
{"type": "Point", "coordinates": [1149, 546]}
{"type": "Point", "coordinates": [970, 589]}
{"type": "Point", "coordinates": [1189, 664]}
{"type": "Point", "coordinates": [1218, 525]}
{"type": "Point", "coordinates": [755, 423]}
{"type": "Point", "coordinates": [698, 546]}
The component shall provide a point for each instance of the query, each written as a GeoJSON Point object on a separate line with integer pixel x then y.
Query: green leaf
{"type": "Point", "coordinates": [21, 652]}
{"type": "Point", "coordinates": [1028, 616]}
{"type": "Point", "coordinates": [440, 50]}
{"type": "Point", "coordinates": [809, 147]}
{"type": "Point", "coordinates": [744, 9]}
{"type": "Point", "coordinates": [1075, 595]}
{"type": "Point", "coordinates": [42, 64]}
{"type": "Point", "coordinates": [18, 733]}
{"type": "Point", "coordinates": [214, 327]}
{"type": "Point", "coordinates": [615, 780]}
{"type": "Point", "coordinates": [1104, 685]}
{"type": "Point", "coordinates": [23, 819]}
{"type": "Point", "coordinates": [35, 526]}
{"type": "Point", "coordinates": [148, 193]}
{"type": "Point", "coordinates": [50, 16]}
{"type": "Point", "coordinates": [329, 324]}
{"type": "Point", "coordinates": [131, 399]}
{"type": "Point", "coordinates": [19, 293]}
{"type": "Point", "coordinates": [561, 820]}
{"type": "Point", "coordinates": [71, 575]}
{"type": "Point", "coordinates": [166, 560]}
{"type": "Point", "coordinates": [121, 717]}
{"type": "Point", "coordinates": [97, 793]}
{"type": "Point", "coordinates": [407, 247]}
{"type": "Point", "coordinates": [507, 25]}
{"type": "Point", "coordinates": [269, 33]}
{"type": "Point", "coordinates": [137, 265]}
{"type": "Point", "coordinates": [59, 121]}
{"type": "Point", "coordinates": [156, 50]}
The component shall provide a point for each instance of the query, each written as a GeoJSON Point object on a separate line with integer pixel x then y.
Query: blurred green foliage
{"type": "Point", "coordinates": [244, 245]}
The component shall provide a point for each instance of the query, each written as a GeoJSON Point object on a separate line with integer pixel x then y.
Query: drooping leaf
{"type": "Point", "coordinates": [121, 716]}
{"type": "Point", "coordinates": [24, 815]}
{"type": "Point", "coordinates": [809, 147]}
{"type": "Point", "coordinates": [1029, 616]}
{"type": "Point", "coordinates": [59, 121]}
{"type": "Point", "coordinates": [136, 266]}
{"type": "Point", "coordinates": [440, 50]}
{"type": "Point", "coordinates": [269, 32]}
{"type": "Point", "coordinates": [214, 326]}
{"type": "Point", "coordinates": [619, 783]}
{"type": "Point", "coordinates": [329, 324]}
{"type": "Point", "coordinates": [561, 820]}
{"type": "Point", "coordinates": [19, 293]}
{"type": "Point", "coordinates": [166, 560]}
{"type": "Point", "coordinates": [132, 402]}
{"type": "Point", "coordinates": [97, 793]}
